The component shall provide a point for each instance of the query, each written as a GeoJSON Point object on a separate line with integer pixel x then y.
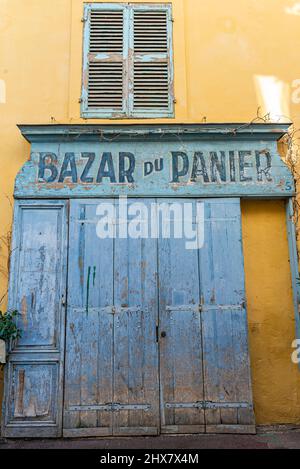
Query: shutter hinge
{"type": "Point", "coordinates": [83, 19]}
{"type": "Point", "coordinates": [80, 100]}
{"type": "Point", "coordinates": [174, 100]}
{"type": "Point", "coordinates": [172, 19]}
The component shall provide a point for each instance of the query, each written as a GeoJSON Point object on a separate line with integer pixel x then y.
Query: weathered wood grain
{"type": "Point", "coordinates": [34, 373]}
{"type": "Point", "coordinates": [224, 329]}
{"type": "Point", "coordinates": [228, 160]}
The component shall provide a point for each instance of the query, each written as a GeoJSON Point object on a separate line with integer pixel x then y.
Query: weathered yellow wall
{"type": "Point", "coordinates": [276, 380]}
{"type": "Point", "coordinates": [231, 64]}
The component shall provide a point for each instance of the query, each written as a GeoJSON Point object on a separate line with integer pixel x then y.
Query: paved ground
{"type": "Point", "coordinates": [289, 439]}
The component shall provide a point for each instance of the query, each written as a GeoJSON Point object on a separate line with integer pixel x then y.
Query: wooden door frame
{"type": "Point", "coordinates": [22, 356]}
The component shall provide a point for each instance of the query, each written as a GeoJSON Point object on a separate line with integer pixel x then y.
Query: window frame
{"type": "Point", "coordinates": [127, 111]}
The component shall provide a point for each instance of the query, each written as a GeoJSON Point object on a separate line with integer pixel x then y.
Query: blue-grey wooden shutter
{"type": "Point", "coordinates": [105, 58]}
{"type": "Point", "coordinates": [152, 93]}
{"type": "Point", "coordinates": [128, 61]}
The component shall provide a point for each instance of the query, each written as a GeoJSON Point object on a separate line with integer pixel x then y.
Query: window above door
{"type": "Point", "coordinates": [128, 61]}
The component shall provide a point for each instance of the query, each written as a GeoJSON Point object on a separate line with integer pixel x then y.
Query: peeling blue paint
{"type": "Point", "coordinates": [199, 161]}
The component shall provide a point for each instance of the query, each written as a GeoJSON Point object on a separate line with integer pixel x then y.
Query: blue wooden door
{"type": "Point", "coordinates": [89, 328]}
{"type": "Point", "coordinates": [181, 374]}
{"type": "Point", "coordinates": [111, 369]}
{"type": "Point", "coordinates": [143, 308]}
{"type": "Point", "coordinates": [226, 367]}
{"type": "Point", "coordinates": [136, 384]}
{"type": "Point", "coordinates": [204, 358]}
{"type": "Point", "coordinates": [34, 373]}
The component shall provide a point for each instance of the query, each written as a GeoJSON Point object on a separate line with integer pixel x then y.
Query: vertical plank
{"type": "Point", "coordinates": [180, 350]}
{"type": "Point", "coordinates": [89, 352]}
{"type": "Point", "coordinates": [224, 320]}
{"type": "Point", "coordinates": [135, 347]}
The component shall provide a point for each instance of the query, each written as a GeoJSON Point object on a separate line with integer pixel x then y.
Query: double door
{"type": "Point", "coordinates": [156, 334]}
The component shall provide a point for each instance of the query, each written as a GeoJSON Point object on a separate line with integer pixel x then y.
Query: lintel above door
{"type": "Point", "coordinates": [205, 160]}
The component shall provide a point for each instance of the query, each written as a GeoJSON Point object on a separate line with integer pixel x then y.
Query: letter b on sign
{"type": "Point", "coordinates": [47, 166]}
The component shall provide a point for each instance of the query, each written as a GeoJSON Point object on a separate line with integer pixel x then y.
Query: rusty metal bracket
{"type": "Point", "coordinates": [203, 405]}
{"type": "Point", "coordinates": [202, 308]}
{"type": "Point", "coordinates": [109, 407]}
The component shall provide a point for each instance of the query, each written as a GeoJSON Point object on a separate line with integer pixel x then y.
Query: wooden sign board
{"type": "Point", "coordinates": [162, 161]}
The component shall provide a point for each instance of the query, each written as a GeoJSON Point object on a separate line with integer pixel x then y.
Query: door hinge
{"type": "Point", "coordinates": [109, 407]}
{"type": "Point", "coordinates": [208, 405]}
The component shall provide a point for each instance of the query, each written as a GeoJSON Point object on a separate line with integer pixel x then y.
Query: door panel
{"type": "Point", "coordinates": [39, 258]}
{"type": "Point", "coordinates": [112, 354]}
{"type": "Point", "coordinates": [33, 386]}
{"type": "Point", "coordinates": [88, 374]}
{"type": "Point", "coordinates": [33, 389]}
{"type": "Point", "coordinates": [89, 331]}
{"type": "Point", "coordinates": [135, 347]}
{"type": "Point", "coordinates": [227, 384]}
{"type": "Point", "coordinates": [181, 348]}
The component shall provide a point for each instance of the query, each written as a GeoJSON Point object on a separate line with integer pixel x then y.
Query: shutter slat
{"type": "Point", "coordinates": [151, 78]}
{"type": "Point", "coordinates": [105, 88]}
{"type": "Point", "coordinates": [151, 85]}
{"type": "Point", "coordinates": [106, 31]}
{"type": "Point", "coordinates": [105, 77]}
{"type": "Point", "coordinates": [150, 31]}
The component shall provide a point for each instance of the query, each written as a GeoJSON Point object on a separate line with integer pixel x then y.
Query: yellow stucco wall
{"type": "Point", "coordinates": [275, 379]}
{"type": "Point", "coordinates": [231, 64]}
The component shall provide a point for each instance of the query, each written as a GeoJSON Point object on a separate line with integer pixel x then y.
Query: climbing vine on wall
{"type": "Point", "coordinates": [291, 142]}
{"type": "Point", "coordinates": [290, 152]}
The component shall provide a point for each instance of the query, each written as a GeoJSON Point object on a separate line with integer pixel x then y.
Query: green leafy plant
{"type": "Point", "coordinates": [8, 327]}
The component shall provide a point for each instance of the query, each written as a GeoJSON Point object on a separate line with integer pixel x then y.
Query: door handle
{"type": "Point", "coordinates": [163, 334]}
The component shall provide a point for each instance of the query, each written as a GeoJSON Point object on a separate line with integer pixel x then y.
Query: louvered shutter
{"type": "Point", "coordinates": [128, 68]}
{"type": "Point", "coordinates": [152, 61]}
{"type": "Point", "coordinates": [104, 62]}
